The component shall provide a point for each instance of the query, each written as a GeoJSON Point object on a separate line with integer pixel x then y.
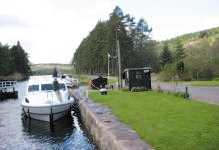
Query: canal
{"type": "Point", "coordinates": [20, 134]}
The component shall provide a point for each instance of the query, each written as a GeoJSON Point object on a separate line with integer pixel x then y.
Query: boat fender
{"type": "Point", "coordinates": [26, 100]}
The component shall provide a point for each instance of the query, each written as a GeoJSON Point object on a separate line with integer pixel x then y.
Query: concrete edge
{"type": "Point", "coordinates": [107, 131]}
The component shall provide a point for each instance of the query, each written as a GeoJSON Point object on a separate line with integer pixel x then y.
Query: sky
{"type": "Point", "coordinates": [51, 30]}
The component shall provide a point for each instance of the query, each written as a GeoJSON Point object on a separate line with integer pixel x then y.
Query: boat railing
{"type": "Point", "coordinates": [7, 89]}
{"type": "Point", "coordinates": [50, 93]}
{"type": "Point", "coordinates": [7, 86]}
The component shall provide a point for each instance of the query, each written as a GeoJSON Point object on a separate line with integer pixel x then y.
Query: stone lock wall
{"type": "Point", "coordinates": [107, 132]}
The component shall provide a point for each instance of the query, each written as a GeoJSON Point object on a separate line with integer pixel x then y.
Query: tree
{"type": "Point", "coordinates": [14, 60]}
{"type": "Point", "coordinates": [5, 60]}
{"type": "Point", "coordinates": [203, 60]}
{"type": "Point", "coordinates": [20, 62]}
{"type": "Point", "coordinates": [214, 57]}
{"type": "Point", "coordinates": [55, 72]}
{"type": "Point", "coordinates": [136, 47]}
{"type": "Point", "coordinates": [166, 55]}
{"type": "Point", "coordinates": [179, 57]}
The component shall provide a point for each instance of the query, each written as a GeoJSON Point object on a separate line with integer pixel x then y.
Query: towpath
{"type": "Point", "coordinates": [208, 94]}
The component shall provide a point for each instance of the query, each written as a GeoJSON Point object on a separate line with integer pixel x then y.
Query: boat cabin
{"type": "Point", "coordinates": [137, 78]}
{"type": "Point", "coordinates": [44, 84]}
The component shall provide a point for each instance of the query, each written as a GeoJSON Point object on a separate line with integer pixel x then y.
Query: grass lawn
{"type": "Point", "coordinates": [84, 79]}
{"type": "Point", "coordinates": [205, 83]}
{"type": "Point", "coordinates": [165, 121]}
{"type": "Point", "coordinates": [46, 69]}
{"type": "Point", "coordinates": [197, 83]}
{"type": "Point", "coordinates": [112, 80]}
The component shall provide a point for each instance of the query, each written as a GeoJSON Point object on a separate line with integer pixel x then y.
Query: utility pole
{"type": "Point", "coordinates": [119, 59]}
{"type": "Point", "coordinates": [108, 56]}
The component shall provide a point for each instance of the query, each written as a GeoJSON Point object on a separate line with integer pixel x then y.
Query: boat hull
{"type": "Point", "coordinates": [47, 113]}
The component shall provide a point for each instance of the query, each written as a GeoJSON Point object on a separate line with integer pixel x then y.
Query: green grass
{"type": "Point", "coordinates": [205, 83]}
{"type": "Point", "coordinates": [197, 83]}
{"type": "Point", "coordinates": [165, 121]}
{"type": "Point", "coordinates": [47, 69]}
{"type": "Point", "coordinates": [113, 80]}
{"type": "Point", "coordinates": [84, 79]}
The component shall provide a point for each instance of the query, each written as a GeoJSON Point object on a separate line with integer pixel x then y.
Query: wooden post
{"type": "Point", "coordinates": [186, 93]}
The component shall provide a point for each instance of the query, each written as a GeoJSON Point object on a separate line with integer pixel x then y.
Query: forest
{"type": "Point", "coordinates": [193, 56]}
{"type": "Point", "coordinates": [198, 53]}
{"type": "Point", "coordinates": [14, 63]}
{"type": "Point", "coordinates": [136, 46]}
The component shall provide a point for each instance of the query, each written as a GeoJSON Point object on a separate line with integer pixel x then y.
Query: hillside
{"type": "Point", "coordinates": [209, 35]}
{"type": "Point", "coordinates": [201, 53]}
{"type": "Point", "coordinates": [193, 56]}
{"type": "Point", "coordinates": [46, 69]}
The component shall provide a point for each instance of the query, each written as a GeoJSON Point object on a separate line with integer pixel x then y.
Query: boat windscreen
{"type": "Point", "coordinates": [46, 87]}
{"type": "Point", "coordinates": [62, 86]}
{"type": "Point", "coordinates": [33, 88]}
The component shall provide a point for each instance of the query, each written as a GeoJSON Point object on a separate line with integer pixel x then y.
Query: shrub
{"type": "Point", "coordinates": [159, 89]}
{"type": "Point", "coordinates": [168, 73]}
{"type": "Point", "coordinates": [181, 94]}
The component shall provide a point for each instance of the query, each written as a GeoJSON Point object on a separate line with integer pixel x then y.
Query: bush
{"type": "Point", "coordinates": [182, 94]}
{"type": "Point", "coordinates": [216, 79]}
{"type": "Point", "coordinates": [186, 77]}
{"type": "Point", "coordinates": [159, 89]}
{"type": "Point", "coordinates": [207, 74]}
{"type": "Point", "coordinates": [168, 73]}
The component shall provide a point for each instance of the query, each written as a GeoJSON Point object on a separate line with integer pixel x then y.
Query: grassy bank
{"type": "Point", "coordinates": [165, 121]}
{"type": "Point", "coordinates": [113, 80]}
{"type": "Point", "coordinates": [205, 83]}
{"type": "Point", "coordinates": [46, 69]}
{"type": "Point", "coordinates": [197, 83]}
{"type": "Point", "coordinates": [85, 79]}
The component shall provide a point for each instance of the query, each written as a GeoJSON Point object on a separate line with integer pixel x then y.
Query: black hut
{"type": "Point", "coordinates": [137, 78]}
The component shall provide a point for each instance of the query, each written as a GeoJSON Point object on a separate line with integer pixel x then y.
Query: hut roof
{"type": "Point", "coordinates": [144, 68]}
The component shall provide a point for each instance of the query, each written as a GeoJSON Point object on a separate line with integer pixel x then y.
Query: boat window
{"type": "Point", "coordinates": [33, 88]}
{"type": "Point", "coordinates": [62, 86]}
{"type": "Point", "coordinates": [46, 87]}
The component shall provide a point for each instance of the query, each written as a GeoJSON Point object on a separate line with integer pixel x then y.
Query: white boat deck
{"type": "Point", "coordinates": [42, 101]}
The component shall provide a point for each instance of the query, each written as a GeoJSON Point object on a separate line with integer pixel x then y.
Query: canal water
{"type": "Point", "coordinates": [20, 134]}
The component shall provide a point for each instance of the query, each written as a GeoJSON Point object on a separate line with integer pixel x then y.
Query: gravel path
{"type": "Point", "coordinates": [207, 94]}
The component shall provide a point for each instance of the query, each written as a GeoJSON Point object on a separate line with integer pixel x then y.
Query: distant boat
{"type": "Point", "coordinates": [70, 81]}
{"type": "Point", "coordinates": [47, 98]}
{"type": "Point", "coordinates": [7, 89]}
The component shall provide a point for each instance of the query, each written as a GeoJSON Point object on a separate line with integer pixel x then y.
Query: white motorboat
{"type": "Point", "coordinates": [70, 81]}
{"type": "Point", "coordinates": [45, 100]}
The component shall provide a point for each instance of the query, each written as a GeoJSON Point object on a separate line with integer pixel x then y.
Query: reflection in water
{"type": "Point", "coordinates": [62, 129]}
{"type": "Point", "coordinates": [17, 133]}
